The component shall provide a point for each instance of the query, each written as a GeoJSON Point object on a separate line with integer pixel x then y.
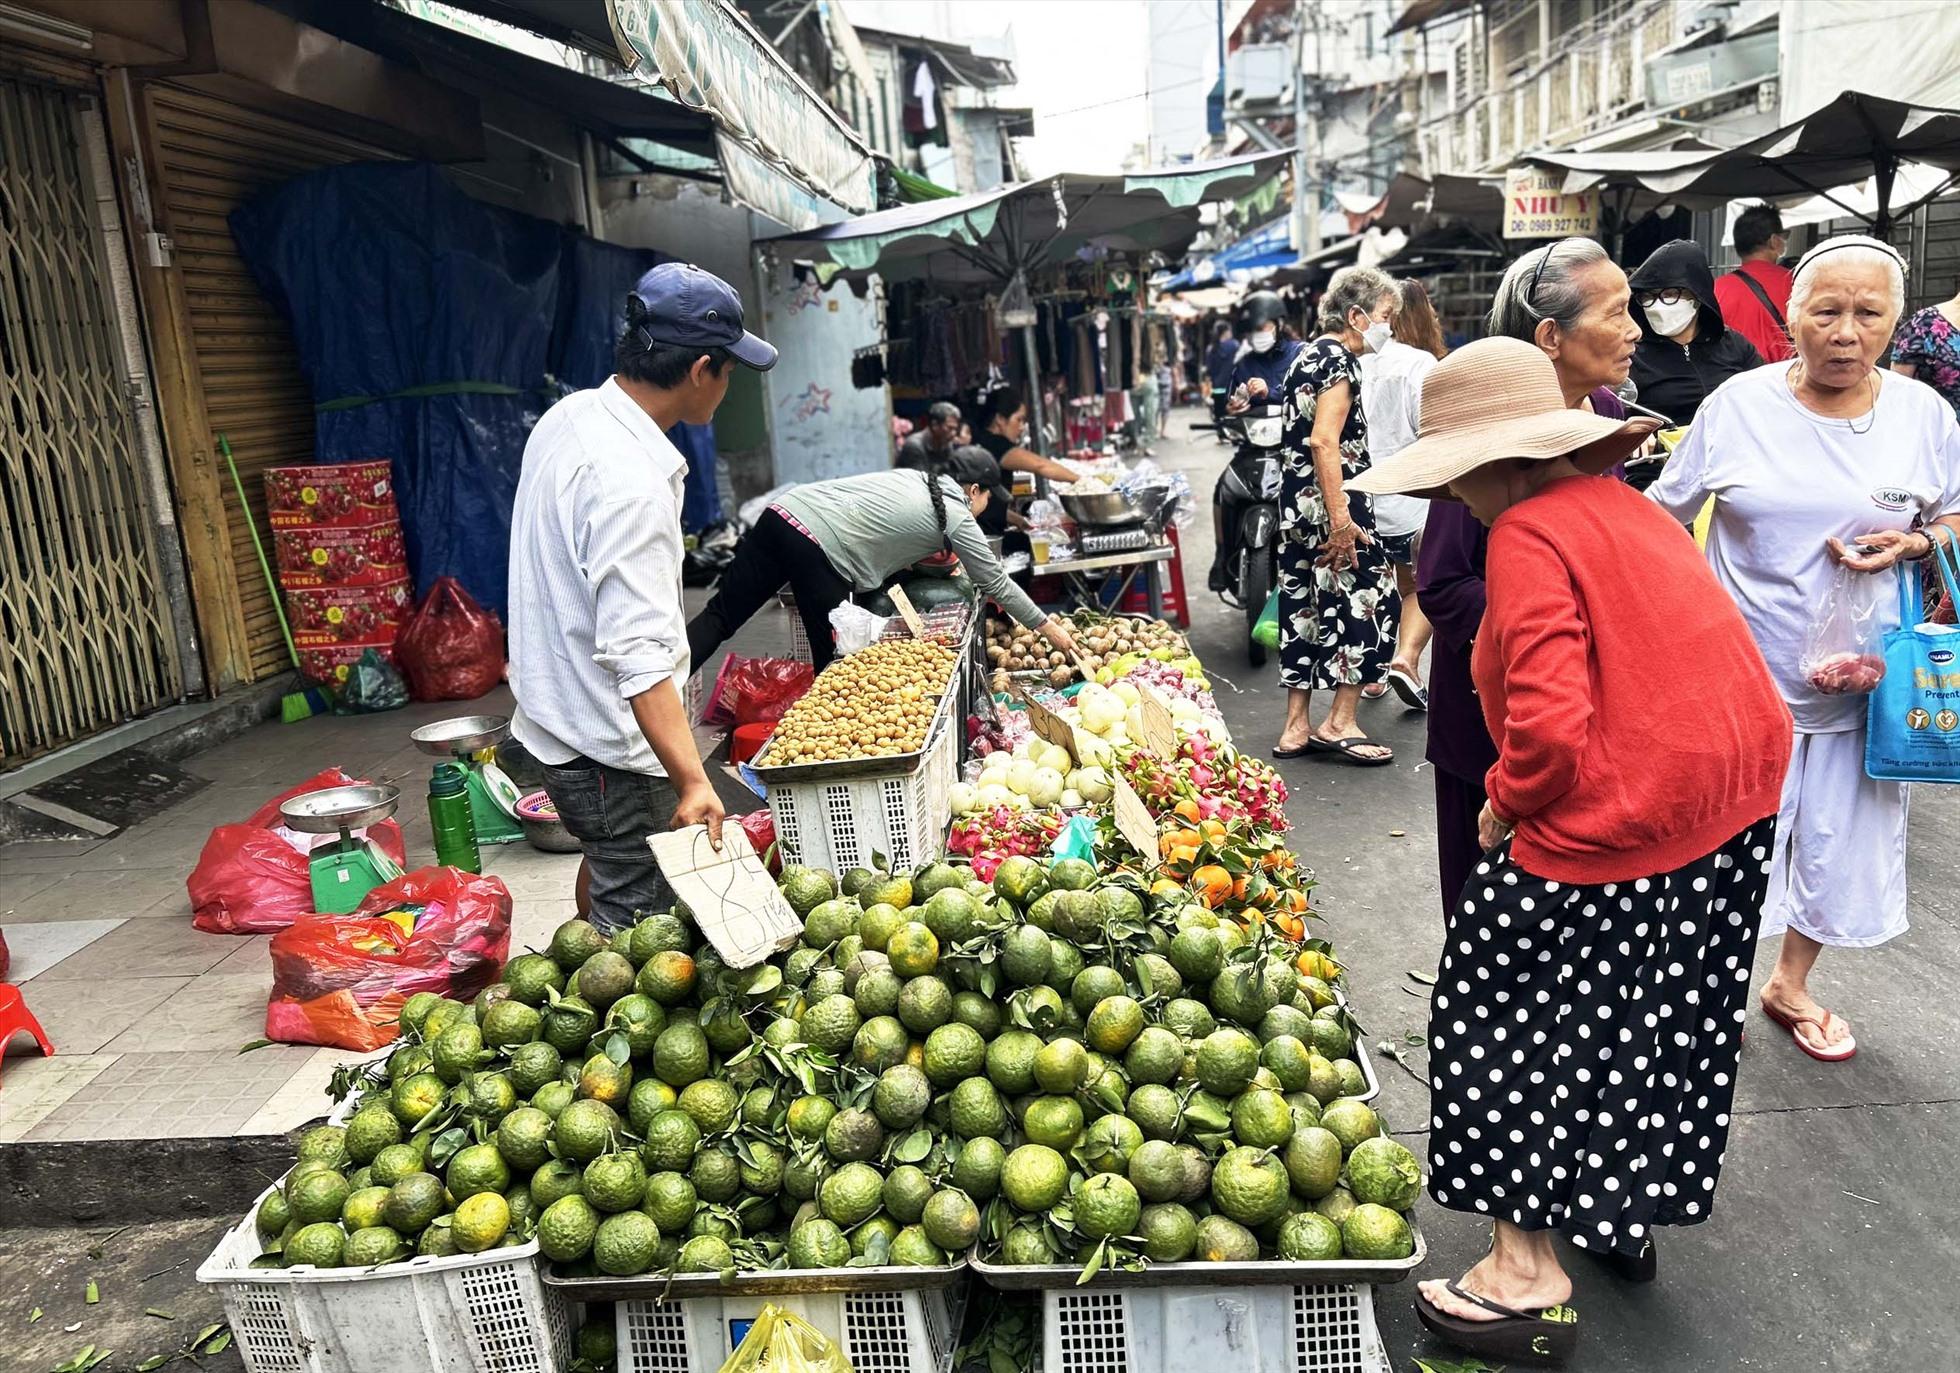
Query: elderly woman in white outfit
{"type": "Point", "coordinates": [1821, 461]}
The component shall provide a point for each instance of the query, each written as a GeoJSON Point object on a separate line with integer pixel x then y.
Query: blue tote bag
{"type": "Point", "coordinates": [1913, 731]}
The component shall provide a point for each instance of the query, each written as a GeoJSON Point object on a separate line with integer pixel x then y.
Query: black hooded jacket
{"type": "Point", "coordinates": [1675, 380]}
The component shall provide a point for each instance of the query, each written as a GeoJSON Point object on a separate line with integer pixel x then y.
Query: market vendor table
{"type": "Point", "coordinates": [1133, 562]}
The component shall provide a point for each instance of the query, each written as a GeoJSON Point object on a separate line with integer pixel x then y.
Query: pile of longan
{"type": "Point", "coordinates": [877, 702]}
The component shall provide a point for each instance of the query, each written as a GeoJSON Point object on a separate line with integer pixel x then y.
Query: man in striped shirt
{"type": "Point", "coordinates": [598, 636]}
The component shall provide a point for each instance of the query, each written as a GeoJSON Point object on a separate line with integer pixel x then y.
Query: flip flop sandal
{"type": "Point", "coordinates": [1830, 1053]}
{"type": "Point", "coordinates": [1641, 1267]}
{"type": "Point", "coordinates": [1374, 691]}
{"type": "Point", "coordinates": [1346, 748]}
{"type": "Point", "coordinates": [1298, 750]}
{"type": "Point", "coordinates": [1547, 1336]}
{"type": "Point", "coordinates": [1413, 695]}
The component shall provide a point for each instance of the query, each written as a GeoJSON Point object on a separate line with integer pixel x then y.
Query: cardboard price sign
{"type": "Point", "coordinates": [907, 612]}
{"type": "Point", "coordinates": [1133, 819]}
{"type": "Point", "coordinates": [1159, 734]}
{"type": "Point", "coordinates": [735, 901]}
{"type": "Point", "coordinates": [1052, 727]}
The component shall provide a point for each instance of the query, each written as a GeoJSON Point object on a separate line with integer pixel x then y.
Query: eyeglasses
{"type": "Point", "coordinates": [1671, 296]}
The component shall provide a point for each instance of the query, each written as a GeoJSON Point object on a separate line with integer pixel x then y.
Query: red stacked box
{"type": "Point", "coordinates": [337, 547]}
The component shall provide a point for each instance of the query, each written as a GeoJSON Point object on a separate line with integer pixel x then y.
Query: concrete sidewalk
{"type": "Point", "coordinates": [148, 1014]}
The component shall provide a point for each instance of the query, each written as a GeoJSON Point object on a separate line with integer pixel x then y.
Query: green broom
{"type": "Point", "coordinates": [310, 700]}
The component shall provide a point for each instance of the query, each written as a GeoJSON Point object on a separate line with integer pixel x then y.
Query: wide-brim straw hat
{"type": "Point", "coordinates": [1490, 400]}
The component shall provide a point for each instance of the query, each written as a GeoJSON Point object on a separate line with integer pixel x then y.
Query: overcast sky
{"type": "Point", "coordinates": [1083, 68]}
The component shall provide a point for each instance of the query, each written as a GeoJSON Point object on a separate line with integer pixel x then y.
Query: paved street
{"type": "Point", "coordinates": [1832, 1247]}
{"type": "Point", "coordinates": [1835, 1218]}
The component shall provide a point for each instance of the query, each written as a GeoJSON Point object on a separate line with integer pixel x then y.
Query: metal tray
{"type": "Point", "coordinates": [462, 735]}
{"type": "Point", "coordinates": [1263, 1273]}
{"type": "Point", "coordinates": [1102, 509]}
{"type": "Point", "coordinates": [333, 809]}
{"type": "Point", "coordinates": [849, 769]}
{"type": "Point", "coordinates": [774, 1282]}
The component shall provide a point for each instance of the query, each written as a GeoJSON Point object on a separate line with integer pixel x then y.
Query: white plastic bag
{"type": "Point", "coordinates": [1843, 649]}
{"type": "Point", "coordinates": [856, 627]}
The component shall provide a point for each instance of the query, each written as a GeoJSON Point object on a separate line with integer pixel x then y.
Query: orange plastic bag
{"type": "Point", "coordinates": [451, 649]}
{"type": "Point", "coordinates": [340, 980]}
{"type": "Point", "coordinates": [251, 878]}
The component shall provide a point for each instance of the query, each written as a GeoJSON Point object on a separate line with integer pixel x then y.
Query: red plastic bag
{"type": "Point", "coordinates": [751, 691]}
{"type": "Point", "coordinates": [252, 878]}
{"type": "Point", "coordinates": [760, 826]}
{"type": "Point", "coordinates": [451, 649]}
{"type": "Point", "coordinates": [341, 980]}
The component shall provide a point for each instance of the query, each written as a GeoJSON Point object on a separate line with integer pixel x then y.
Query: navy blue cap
{"type": "Point", "coordinates": [686, 307]}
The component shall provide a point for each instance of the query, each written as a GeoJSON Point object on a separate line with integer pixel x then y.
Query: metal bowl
{"type": "Point", "coordinates": [462, 736]}
{"type": "Point", "coordinates": [337, 808]}
{"type": "Point", "coordinates": [1104, 508]}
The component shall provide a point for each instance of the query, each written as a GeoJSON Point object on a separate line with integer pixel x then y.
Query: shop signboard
{"type": "Point", "coordinates": [1535, 206]}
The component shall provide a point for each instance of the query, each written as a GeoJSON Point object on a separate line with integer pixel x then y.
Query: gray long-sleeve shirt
{"type": "Point", "coordinates": [874, 525]}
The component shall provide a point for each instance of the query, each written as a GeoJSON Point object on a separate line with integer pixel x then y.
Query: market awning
{"type": "Point", "coordinates": [1420, 12]}
{"type": "Point", "coordinates": [1267, 247]}
{"type": "Point", "coordinates": [1854, 137]}
{"type": "Point", "coordinates": [783, 149]}
{"type": "Point", "coordinates": [611, 109]}
{"type": "Point", "coordinates": [988, 236]}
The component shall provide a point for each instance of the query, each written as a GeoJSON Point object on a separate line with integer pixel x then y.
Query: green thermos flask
{"type": "Point", "coordinates": [449, 816]}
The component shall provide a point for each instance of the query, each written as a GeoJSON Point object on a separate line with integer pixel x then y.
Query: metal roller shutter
{"type": "Point", "coordinates": [211, 156]}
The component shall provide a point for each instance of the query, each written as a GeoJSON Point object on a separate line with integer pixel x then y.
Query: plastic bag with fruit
{"type": "Point", "coordinates": [252, 878]}
{"type": "Point", "coordinates": [1843, 651]}
{"type": "Point", "coordinates": [451, 649]}
{"type": "Point", "coordinates": [780, 1342]}
{"type": "Point", "coordinates": [341, 980]}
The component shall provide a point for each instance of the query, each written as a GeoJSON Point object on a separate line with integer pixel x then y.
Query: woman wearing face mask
{"type": "Point", "coordinates": [1685, 349]}
{"type": "Point", "coordinates": [1337, 601]}
{"type": "Point", "coordinates": [1270, 348]}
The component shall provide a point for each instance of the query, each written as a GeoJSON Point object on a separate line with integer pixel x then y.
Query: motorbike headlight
{"type": "Point", "coordinates": [1266, 433]}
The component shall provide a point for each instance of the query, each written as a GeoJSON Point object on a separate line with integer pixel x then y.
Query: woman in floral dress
{"type": "Point", "coordinates": [1927, 347]}
{"type": "Point", "coordinates": [1337, 599]}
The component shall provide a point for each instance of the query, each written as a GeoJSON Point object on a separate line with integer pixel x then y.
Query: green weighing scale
{"type": "Point", "coordinates": [344, 873]}
{"type": "Point", "coordinates": [493, 796]}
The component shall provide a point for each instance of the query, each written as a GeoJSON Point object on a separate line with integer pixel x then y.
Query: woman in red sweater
{"type": "Point", "coordinates": [1587, 1016]}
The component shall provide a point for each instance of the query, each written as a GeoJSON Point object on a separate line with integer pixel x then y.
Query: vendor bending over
{"type": "Point", "coordinates": [829, 540]}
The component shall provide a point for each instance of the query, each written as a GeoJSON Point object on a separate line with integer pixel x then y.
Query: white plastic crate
{"type": "Point", "coordinates": [880, 1332]}
{"type": "Point", "coordinates": [840, 824]}
{"type": "Point", "coordinates": [1319, 1329]}
{"type": "Point", "coordinates": [474, 1313]}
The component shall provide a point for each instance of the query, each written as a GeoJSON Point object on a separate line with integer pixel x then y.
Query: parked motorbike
{"type": "Point", "coordinates": [1245, 517]}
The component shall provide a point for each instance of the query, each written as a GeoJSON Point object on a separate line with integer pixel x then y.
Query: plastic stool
{"type": "Point", "coordinates": [15, 1019]}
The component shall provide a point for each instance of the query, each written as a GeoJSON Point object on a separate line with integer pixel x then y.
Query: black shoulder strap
{"type": "Point", "coordinates": [1756, 290]}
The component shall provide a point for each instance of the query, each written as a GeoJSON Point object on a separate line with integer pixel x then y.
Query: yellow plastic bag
{"type": "Point", "coordinates": [780, 1342]}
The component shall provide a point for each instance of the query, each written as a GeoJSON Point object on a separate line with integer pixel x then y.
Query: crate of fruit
{"type": "Point", "coordinates": [486, 1312]}
{"type": "Point", "coordinates": [865, 762]}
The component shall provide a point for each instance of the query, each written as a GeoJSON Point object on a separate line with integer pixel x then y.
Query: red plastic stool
{"type": "Point", "coordinates": [15, 1019]}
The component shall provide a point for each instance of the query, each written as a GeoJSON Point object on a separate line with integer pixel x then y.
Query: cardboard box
{"type": "Point", "coordinates": [358, 555]}
{"type": "Point", "coordinates": [350, 614]}
{"type": "Point", "coordinates": [326, 659]}
{"type": "Point", "coordinates": [330, 496]}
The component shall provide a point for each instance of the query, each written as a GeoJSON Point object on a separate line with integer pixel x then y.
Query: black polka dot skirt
{"type": "Point", "coordinates": [1583, 1044]}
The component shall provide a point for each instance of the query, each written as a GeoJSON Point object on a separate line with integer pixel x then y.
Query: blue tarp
{"type": "Point", "coordinates": [1267, 247]}
{"type": "Point", "coordinates": [434, 330]}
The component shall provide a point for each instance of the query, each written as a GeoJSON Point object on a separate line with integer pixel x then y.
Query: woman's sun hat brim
{"type": "Point", "coordinates": [1495, 399]}
{"type": "Point", "coordinates": [1426, 467]}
